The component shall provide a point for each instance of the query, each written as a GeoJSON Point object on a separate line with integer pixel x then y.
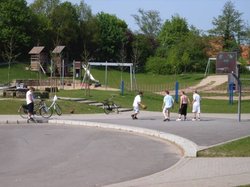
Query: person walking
{"type": "Point", "coordinates": [196, 106]}
{"type": "Point", "coordinates": [168, 103]}
{"type": "Point", "coordinates": [136, 105]}
{"type": "Point", "coordinates": [184, 100]}
{"type": "Point", "coordinates": [30, 102]}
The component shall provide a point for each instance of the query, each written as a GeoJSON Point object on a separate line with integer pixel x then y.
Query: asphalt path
{"type": "Point", "coordinates": [62, 155]}
{"type": "Point", "coordinates": [213, 129]}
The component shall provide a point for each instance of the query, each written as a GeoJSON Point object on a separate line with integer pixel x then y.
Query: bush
{"type": "Point", "coordinates": [157, 65]}
{"type": "Point", "coordinates": [41, 95]}
{"type": "Point", "coordinates": [52, 89]}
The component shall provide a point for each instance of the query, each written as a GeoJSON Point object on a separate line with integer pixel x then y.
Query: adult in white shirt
{"type": "Point", "coordinates": [168, 103]}
{"type": "Point", "coordinates": [136, 105]}
{"type": "Point", "coordinates": [30, 102]}
{"type": "Point", "coordinates": [196, 106]}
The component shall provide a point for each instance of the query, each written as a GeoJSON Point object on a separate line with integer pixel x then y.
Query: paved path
{"type": "Point", "coordinates": [63, 156]}
{"type": "Point", "coordinates": [213, 129]}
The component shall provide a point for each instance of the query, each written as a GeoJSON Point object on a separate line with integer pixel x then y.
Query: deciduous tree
{"type": "Point", "coordinates": [230, 26]}
{"type": "Point", "coordinates": [149, 22]}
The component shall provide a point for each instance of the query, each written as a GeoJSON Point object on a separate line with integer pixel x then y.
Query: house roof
{"type": "Point", "coordinates": [58, 49]}
{"type": "Point", "coordinates": [36, 50]}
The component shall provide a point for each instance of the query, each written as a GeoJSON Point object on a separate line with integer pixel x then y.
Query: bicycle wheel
{"type": "Point", "coordinates": [45, 112]}
{"type": "Point", "coordinates": [23, 111]}
{"type": "Point", "coordinates": [106, 108]}
{"type": "Point", "coordinates": [58, 109]}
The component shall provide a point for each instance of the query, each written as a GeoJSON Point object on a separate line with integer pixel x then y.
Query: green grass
{"type": "Point", "coordinates": [238, 148]}
{"type": "Point", "coordinates": [145, 81]}
{"type": "Point", "coordinates": [153, 101]}
{"type": "Point", "coordinates": [11, 107]}
{"type": "Point", "coordinates": [17, 71]}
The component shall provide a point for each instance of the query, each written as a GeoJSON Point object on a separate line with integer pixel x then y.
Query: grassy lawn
{"type": "Point", "coordinates": [11, 107]}
{"type": "Point", "coordinates": [154, 101]}
{"type": "Point", "coordinates": [17, 71]}
{"type": "Point", "coordinates": [238, 148]}
{"type": "Point", "coordinates": [146, 81]}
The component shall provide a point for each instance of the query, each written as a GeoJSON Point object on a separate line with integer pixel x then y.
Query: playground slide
{"type": "Point", "coordinates": [89, 74]}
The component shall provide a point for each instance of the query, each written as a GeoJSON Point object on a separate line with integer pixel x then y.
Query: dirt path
{"type": "Point", "coordinates": [210, 82]}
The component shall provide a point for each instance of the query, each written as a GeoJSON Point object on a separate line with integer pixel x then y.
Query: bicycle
{"type": "Point", "coordinates": [47, 112]}
{"type": "Point", "coordinates": [41, 109]}
{"type": "Point", "coordinates": [23, 109]}
{"type": "Point", "coordinates": [109, 105]}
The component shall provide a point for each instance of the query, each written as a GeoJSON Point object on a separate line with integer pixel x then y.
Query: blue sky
{"type": "Point", "coordinates": [199, 13]}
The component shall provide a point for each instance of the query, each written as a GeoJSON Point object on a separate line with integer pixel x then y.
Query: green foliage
{"type": "Point", "coordinates": [149, 22]}
{"type": "Point", "coordinates": [143, 47]}
{"type": "Point", "coordinates": [157, 65]}
{"type": "Point", "coordinates": [230, 26]}
{"type": "Point", "coordinates": [17, 72]}
{"type": "Point", "coordinates": [237, 148]}
{"type": "Point", "coordinates": [181, 47]}
{"type": "Point", "coordinates": [104, 37]}
{"type": "Point", "coordinates": [173, 32]}
{"type": "Point", "coordinates": [64, 21]}
{"type": "Point", "coordinates": [112, 35]}
{"type": "Point", "coordinates": [16, 31]}
{"type": "Point", "coordinates": [44, 7]}
{"type": "Point", "coordinates": [84, 11]}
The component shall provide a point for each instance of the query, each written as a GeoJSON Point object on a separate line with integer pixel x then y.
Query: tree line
{"type": "Point", "coordinates": [160, 46]}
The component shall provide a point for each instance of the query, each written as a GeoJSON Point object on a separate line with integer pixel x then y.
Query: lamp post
{"type": "Point", "coordinates": [237, 77]}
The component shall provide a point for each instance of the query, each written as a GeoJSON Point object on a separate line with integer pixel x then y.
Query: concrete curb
{"type": "Point", "coordinates": [189, 148]}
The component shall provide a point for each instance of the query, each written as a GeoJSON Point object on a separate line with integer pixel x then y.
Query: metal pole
{"type": "Point", "coordinates": [239, 84]}
{"type": "Point", "coordinates": [131, 79]}
{"type": "Point", "coordinates": [237, 77]}
{"type": "Point", "coordinates": [239, 102]}
{"type": "Point", "coordinates": [74, 72]}
{"type": "Point", "coordinates": [106, 75]}
{"type": "Point", "coordinates": [63, 74]}
{"type": "Point", "coordinates": [176, 91]}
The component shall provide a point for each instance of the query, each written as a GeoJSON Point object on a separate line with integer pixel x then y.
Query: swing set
{"type": "Point", "coordinates": [106, 65]}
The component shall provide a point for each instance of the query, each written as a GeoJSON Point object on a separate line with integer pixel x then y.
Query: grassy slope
{"type": "Point", "coordinates": [238, 148]}
{"type": "Point", "coordinates": [114, 78]}
{"type": "Point", "coordinates": [17, 71]}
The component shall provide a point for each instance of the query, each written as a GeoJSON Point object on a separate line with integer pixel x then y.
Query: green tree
{"type": "Point", "coordinates": [230, 26]}
{"type": "Point", "coordinates": [84, 11]}
{"type": "Point", "coordinates": [194, 46]}
{"type": "Point", "coordinates": [185, 60]}
{"type": "Point", "coordinates": [173, 32]}
{"type": "Point", "coordinates": [158, 65]}
{"type": "Point", "coordinates": [44, 7]}
{"type": "Point", "coordinates": [111, 36]}
{"type": "Point", "coordinates": [15, 23]}
{"type": "Point", "coordinates": [65, 24]}
{"type": "Point", "coordinates": [143, 47]}
{"type": "Point", "coordinates": [88, 34]}
{"type": "Point", "coordinates": [15, 33]}
{"type": "Point", "coordinates": [182, 47]}
{"type": "Point", "coordinates": [173, 59]}
{"type": "Point", "coordinates": [149, 22]}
